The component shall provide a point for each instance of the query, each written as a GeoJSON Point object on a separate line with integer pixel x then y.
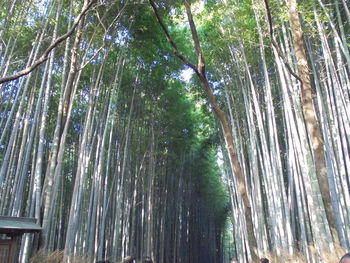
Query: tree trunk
{"type": "Point", "coordinates": [310, 116]}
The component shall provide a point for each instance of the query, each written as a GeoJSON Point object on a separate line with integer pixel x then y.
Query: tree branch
{"type": "Point", "coordinates": [274, 43]}
{"type": "Point", "coordinates": [47, 52]}
{"type": "Point", "coordinates": [197, 45]}
{"type": "Point", "coordinates": [170, 40]}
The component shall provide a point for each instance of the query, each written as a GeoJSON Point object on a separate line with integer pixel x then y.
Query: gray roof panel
{"type": "Point", "coordinates": [18, 225]}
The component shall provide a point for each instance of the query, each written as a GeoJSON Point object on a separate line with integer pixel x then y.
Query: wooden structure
{"type": "Point", "coordinates": [11, 229]}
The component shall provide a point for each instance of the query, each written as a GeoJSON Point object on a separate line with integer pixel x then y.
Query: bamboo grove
{"type": "Point", "coordinates": [160, 128]}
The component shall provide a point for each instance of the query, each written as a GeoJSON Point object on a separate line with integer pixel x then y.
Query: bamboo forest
{"type": "Point", "coordinates": [178, 131]}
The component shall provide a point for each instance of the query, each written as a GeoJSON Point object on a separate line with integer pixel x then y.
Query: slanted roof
{"type": "Point", "coordinates": [18, 225]}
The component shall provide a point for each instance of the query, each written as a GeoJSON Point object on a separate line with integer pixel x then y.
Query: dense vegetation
{"type": "Point", "coordinates": [187, 131]}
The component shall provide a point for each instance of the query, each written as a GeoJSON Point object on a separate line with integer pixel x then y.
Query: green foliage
{"type": "Point", "coordinates": [209, 184]}
{"type": "Point", "coordinates": [177, 119]}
